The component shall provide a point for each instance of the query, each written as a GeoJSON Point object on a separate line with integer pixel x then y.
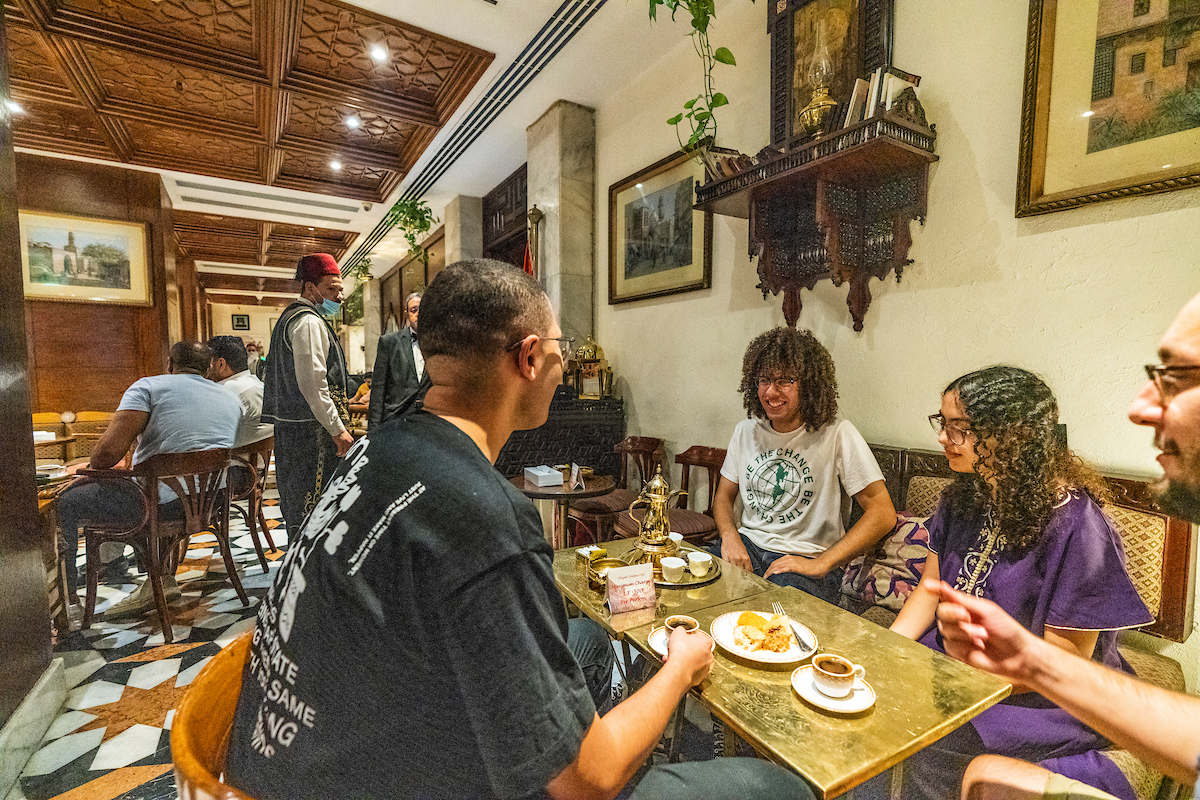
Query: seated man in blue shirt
{"type": "Point", "coordinates": [179, 412]}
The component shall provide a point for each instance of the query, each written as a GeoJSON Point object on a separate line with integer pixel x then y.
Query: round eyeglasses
{"type": "Point", "coordinates": [954, 432]}
{"type": "Point", "coordinates": [779, 383]}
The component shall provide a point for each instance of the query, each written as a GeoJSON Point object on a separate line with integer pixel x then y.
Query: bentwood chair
{"type": "Point", "coordinates": [197, 479]}
{"type": "Point", "coordinates": [254, 458]}
{"type": "Point", "coordinates": [595, 516]}
{"type": "Point", "coordinates": [697, 527]}
{"type": "Point", "coordinates": [203, 723]}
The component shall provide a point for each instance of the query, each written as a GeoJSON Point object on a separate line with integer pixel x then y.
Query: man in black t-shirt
{"type": "Point", "coordinates": [414, 643]}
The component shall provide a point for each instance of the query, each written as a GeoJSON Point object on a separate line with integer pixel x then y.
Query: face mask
{"type": "Point", "coordinates": [329, 308]}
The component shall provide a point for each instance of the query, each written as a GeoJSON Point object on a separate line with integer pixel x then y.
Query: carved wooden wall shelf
{"type": "Point", "coordinates": [838, 207]}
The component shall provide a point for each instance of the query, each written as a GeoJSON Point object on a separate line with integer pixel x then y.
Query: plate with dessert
{"type": "Point", "coordinates": [763, 637]}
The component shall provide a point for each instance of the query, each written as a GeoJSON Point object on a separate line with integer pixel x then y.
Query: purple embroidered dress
{"type": "Point", "coordinates": [1073, 578]}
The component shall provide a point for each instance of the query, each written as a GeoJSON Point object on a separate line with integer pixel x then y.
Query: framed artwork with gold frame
{"type": "Point", "coordinates": [658, 244]}
{"type": "Point", "coordinates": [1104, 112]}
{"type": "Point", "coordinates": [82, 259]}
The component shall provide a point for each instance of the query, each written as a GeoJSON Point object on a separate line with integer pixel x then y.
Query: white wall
{"type": "Point", "coordinates": [260, 322]}
{"type": "Point", "coordinates": [1079, 296]}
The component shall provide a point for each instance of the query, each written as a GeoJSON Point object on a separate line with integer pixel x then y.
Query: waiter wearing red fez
{"type": "Point", "coordinates": [306, 385]}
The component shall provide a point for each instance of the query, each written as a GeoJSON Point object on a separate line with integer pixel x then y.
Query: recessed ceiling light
{"type": "Point", "coordinates": [1165, 166]}
{"type": "Point", "coordinates": [379, 53]}
{"type": "Point", "coordinates": [312, 229]}
{"type": "Point", "coordinates": [1087, 113]}
{"type": "Point", "coordinates": [335, 165]}
{"type": "Point", "coordinates": [353, 121]}
{"type": "Point", "coordinates": [638, 186]}
{"type": "Point", "coordinates": [14, 106]}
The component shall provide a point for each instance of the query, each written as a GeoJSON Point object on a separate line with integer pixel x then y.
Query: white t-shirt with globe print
{"type": "Point", "coordinates": [789, 482]}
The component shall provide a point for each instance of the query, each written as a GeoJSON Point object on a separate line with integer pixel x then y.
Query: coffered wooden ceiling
{"type": "Point", "coordinates": [212, 238]}
{"type": "Point", "coordinates": [250, 90]}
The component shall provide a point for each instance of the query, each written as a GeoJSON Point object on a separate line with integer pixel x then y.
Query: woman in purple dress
{"type": "Point", "coordinates": [1021, 526]}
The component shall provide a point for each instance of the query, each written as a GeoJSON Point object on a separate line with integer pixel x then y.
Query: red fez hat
{"type": "Point", "coordinates": [312, 267]}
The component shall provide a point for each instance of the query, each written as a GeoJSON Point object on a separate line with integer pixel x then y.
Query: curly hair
{"type": "Point", "coordinates": [1014, 417]}
{"type": "Point", "coordinates": [787, 352]}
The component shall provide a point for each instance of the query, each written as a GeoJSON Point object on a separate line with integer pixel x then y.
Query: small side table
{"type": "Point", "coordinates": [562, 495]}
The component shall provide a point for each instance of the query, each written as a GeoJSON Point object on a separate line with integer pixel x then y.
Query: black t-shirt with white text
{"type": "Point", "coordinates": [413, 643]}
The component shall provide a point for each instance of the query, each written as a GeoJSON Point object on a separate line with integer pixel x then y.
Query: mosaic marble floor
{"type": "Point", "coordinates": [112, 736]}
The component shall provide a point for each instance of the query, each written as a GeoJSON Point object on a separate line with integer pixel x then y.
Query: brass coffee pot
{"type": "Point", "coordinates": [653, 543]}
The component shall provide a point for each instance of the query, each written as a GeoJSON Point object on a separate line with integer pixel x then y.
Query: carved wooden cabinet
{"type": "Point", "coordinates": [838, 207]}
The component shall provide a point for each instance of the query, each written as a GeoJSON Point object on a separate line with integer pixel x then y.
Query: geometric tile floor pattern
{"type": "Point", "coordinates": [111, 739]}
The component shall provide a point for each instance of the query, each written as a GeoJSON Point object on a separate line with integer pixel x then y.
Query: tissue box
{"type": "Point", "coordinates": [543, 476]}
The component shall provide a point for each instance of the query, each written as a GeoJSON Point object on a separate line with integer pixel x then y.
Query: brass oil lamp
{"type": "Point", "coordinates": [653, 542]}
{"type": "Point", "coordinates": [813, 116]}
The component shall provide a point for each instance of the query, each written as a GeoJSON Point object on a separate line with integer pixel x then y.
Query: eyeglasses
{"type": "Point", "coordinates": [1166, 379]}
{"type": "Point", "coordinates": [955, 433]}
{"type": "Point", "coordinates": [413, 309]}
{"type": "Point", "coordinates": [564, 345]}
{"type": "Point", "coordinates": [779, 383]}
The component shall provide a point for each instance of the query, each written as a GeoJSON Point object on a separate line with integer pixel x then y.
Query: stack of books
{"type": "Point", "coordinates": [868, 98]}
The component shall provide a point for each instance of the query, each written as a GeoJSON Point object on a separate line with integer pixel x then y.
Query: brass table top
{"type": "Point", "coordinates": [921, 695]}
{"type": "Point", "coordinates": [733, 584]}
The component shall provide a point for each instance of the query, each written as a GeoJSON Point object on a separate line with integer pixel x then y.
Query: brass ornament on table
{"type": "Point", "coordinates": [812, 117]}
{"type": "Point", "coordinates": [653, 542]}
{"type": "Point", "coordinates": [591, 376]}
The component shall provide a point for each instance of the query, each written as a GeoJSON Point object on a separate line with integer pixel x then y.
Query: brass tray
{"type": "Point", "coordinates": [689, 579]}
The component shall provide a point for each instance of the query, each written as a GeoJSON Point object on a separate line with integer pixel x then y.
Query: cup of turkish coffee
{"type": "Point", "coordinates": [681, 621]}
{"type": "Point", "coordinates": [833, 675]}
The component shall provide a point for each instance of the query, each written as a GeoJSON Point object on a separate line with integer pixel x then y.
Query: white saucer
{"type": "Point", "coordinates": [861, 697]}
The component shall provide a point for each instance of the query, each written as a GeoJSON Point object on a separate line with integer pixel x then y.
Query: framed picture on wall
{"type": "Point", "coordinates": [241, 322]}
{"type": "Point", "coordinates": [83, 259]}
{"type": "Point", "coordinates": [657, 243]}
{"type": "Point", "coordinates": [1109, 104]}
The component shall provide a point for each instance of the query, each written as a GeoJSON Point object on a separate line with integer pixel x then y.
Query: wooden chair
{"type": "Point", "coordinates": [255, 458]}
{"type": "Point", "coordinates": [87, 428]}
{"type": "Point", "coordinates": [203, 723]}
{"type": "Point", "coordinates": [594, 517]}
{"type": "Point", "coordinates": [697, 527]}
{"type": "Point", "coordinates": [197, 479]}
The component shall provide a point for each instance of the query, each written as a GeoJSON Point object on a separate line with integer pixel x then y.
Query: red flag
{"type": "Point", "coordinates": [528, 263]}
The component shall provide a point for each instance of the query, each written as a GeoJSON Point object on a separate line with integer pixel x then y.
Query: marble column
{"type": "Point", "coordinates": [372, 314]}
{"type": "Point", "coordinates": [561, 149]}
{"type": "Point", "coordinates": [464, 228]}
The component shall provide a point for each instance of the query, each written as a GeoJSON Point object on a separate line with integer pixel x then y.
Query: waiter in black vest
{"type": "Point", "coordinates": [306, 390]}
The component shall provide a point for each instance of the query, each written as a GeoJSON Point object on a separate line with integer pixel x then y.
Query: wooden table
{"type": "Point", "coordinates": [562, 495]}
{"type": "Point", "coordinates": [921, 695]}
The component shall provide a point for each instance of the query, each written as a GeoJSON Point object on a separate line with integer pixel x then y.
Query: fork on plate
{"type": "Point", "coordinates": [778, 608]}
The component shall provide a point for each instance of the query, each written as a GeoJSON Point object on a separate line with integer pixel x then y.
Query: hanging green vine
{"type": "Point", "coordinates": [699, 112]}
{"type": "Point", "coordinates": [414, 218]}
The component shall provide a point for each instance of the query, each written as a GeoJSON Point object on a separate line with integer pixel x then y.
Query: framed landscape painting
{"type": "Point", "coordinates": [1111, 103]}
{"type": "Point", "coordinates": [83, 259]}
{"type": "Point", "coordinates": [657, 243]}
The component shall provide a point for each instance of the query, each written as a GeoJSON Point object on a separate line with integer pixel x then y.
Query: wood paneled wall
{"type": "Point", "coordinates": [83, 356]}
{"type": "Point", "coordinates": [24, 608]}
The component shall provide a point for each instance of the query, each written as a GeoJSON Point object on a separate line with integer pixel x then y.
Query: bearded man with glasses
{"type": "Point", "coordinates": [789, 463]}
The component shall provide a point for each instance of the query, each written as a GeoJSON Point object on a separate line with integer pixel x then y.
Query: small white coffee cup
{"type": "Point", "coordinates": [699, 563]}
{"type": "Point", "coordinates": [672, 568]}
{"type": "Point", "coordinates": [833, 675]}
{"type": "Point", "coordinates": [676, 539]}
